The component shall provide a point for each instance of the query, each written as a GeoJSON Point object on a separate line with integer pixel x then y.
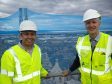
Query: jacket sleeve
{"type": "Point", "coordinates": [43, 72]}
{"type": "Point", "coordinates": [7, 68]}
{"type": "Point", "coordinates": [75, 65]}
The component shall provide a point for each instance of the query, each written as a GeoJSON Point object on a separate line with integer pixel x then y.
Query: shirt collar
{"type": "Point", "coordinates": [97, 37]}
{"type": "Point", "coordinates": [23, 46]}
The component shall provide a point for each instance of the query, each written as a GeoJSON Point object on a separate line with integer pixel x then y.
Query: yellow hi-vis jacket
{"type": "Point", "coordinates": [19, 67]}
{"type": "Point", "coordinates": [95, 67]}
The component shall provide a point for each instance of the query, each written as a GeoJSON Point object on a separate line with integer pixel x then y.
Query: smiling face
{"type": "Point", "coordinates": [92, 26]}
{"type": "Point", "coordinates": [28, 38]}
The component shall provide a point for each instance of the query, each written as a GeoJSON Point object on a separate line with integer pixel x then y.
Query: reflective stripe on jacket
{"type": "Point", "coordinates": [95, 66]}
{"type": "Point", "coordinates": [23, 68]}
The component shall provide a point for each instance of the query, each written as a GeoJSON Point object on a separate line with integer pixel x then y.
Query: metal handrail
{"type": "Point", "coordinates": [60, 75]}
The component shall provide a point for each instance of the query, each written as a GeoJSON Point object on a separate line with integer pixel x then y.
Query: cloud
{"type": "Point", "coordinates": [7, 27]}
{"type": "Point", "coordinates": [2, 14]}
{"type": "Point", "coordinates": [75, 7]}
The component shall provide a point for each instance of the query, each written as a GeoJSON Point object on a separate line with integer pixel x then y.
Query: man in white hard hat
{"type": "Point", "coordinates": [93, 52]}
{"type": "Point", "coordinates": [21, 64]}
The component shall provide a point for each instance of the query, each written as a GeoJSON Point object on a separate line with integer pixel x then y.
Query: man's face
{"type": "Point", "coordinates": [28, 38]}
{"type": "Point", "coordinates": [92, 25]}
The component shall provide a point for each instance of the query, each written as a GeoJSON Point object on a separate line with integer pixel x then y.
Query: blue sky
{"type": "Point", "coordinates": [54, 14]}
{"type": "Point", "coordinates": [51, 22]}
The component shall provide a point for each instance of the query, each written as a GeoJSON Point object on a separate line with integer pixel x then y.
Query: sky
{"type": "Point", "coordinates": [69, 7]}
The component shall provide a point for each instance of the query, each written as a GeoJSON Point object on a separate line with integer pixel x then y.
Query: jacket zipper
{"type": "Point", "coordinates": [91, 68]}
{"type": "Point", "coordinates": [91, 63]}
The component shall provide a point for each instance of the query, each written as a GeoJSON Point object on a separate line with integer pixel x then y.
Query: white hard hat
{"type": "Point", "coordinates": [90, 14]}
{"type": "Point", "coordinates": [28, 25]}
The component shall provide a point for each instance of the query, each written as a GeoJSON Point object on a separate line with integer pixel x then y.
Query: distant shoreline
{"type": "Point", "coordinates": [50, 31]}
{"type": "Point", "coordinates": [42, 31]}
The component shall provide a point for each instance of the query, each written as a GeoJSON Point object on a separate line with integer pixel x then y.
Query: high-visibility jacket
{"type": "Point", "coordinates": [95, 67]}
{"type": "Point", "coordinates": [19, 67]}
